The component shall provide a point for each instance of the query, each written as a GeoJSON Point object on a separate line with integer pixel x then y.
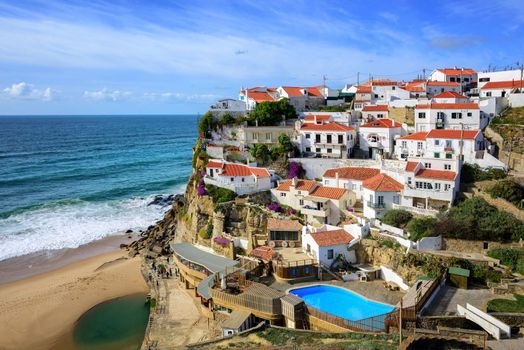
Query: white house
{"type": "Point", "coordinates": [500, 88]}
{"type": "Point", "coordinates": [378, 136]}
{"type": "Point", "coordinates": [436, 87]}
{"type": "Point", "coordinates": [330, 140]}
{"type": "Point", "coordinates": [362, 96]}
{"type": "Point", "coordinates": [302, 98]}
{"type": "Point", "coordinates": [318, 118]}
{"type": "Point", "coordinates": [467, 77]}
{"type": "Point", "coordinates": [320, 204]}
{"type": "Point", "coordinates": [241, 179]}
{"type": "Point", "coordinates": [385, 90]}
{"type": "Point", "coordinates": [229, 105]}
{"type": "Point", "coordinates": [496, 76]}
{"type": "Point", "coordinates": [372, 112]}
{"type": "Point", "coordinates": [350, 178]}
{"type": "Point", "coordinates": [327, 243]}
{"type": "Point", "coordinates": [380, 193]}
{"type": "Point", "coordinates": [252, 96]}
{"type": "Point", "coordinates": [416, 88]}
{"type": "Point", "coordinates": [448, 144]}
{"type": "Point", "coordinates": [450, 97]}
{"type": "Point", "coordinates": [449, 116]}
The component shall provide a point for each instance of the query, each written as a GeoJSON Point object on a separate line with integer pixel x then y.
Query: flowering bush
{"type": "Point", "coordinates": [224, 242]}
{"type": "Point", "coordinates": [274, 207]}
{"type": "Point", "coordinates": [294, 169]}
{"type": "Point", "coordinates": [202, 173]}
{"type": "Point", "coordinates": [292, 212]}
{"type": "Point", "coordinates": [201, 188]}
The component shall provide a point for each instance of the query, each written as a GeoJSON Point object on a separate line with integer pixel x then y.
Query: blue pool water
{"type": "Point", "coordinates": [341, 302]}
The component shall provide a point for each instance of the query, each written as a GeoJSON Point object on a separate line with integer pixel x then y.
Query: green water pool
{"type": "Point", "coordinates": [118, 324]}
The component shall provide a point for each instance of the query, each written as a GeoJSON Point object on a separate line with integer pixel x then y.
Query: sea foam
{"type": "Point", "coordinates": [71, 224]}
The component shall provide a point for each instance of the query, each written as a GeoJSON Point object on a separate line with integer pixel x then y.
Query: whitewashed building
{"type": "Point", "coordinates": [449, 116]}
{"type": "Point", "coordinates": [436, 87]}
{"type": "Point", "coordinates": [252, 96]}
{"type": "Point", "coordinates": [380, 193]}
{"type": "Point", "coordinates": [378, 137]}
{"type": "Point", "coordinates": [229, 105]}
{"type": "Point", "coordinates": [350, 178]}
{"type": "Point", "coordinates": [327, 140]}
{"type": "Point", "coordinates": [467, 77]}
{"type": "Point", "coordinates": [497, 76]}
{"type": "Point", "coordinates": [239, 178]}
{"type": "Point", "coordinates": [450, 97]}
{"type": "Point", "coordinates": [372, 112]}
{"type": "Point", "coordinates": [327, 243]}
{"type": "Point", "coordinates": [500, 88]}
{"type": "Point", "coordinates": [416, 88]}
{"type": "Point", "coordinates": [320, 204]}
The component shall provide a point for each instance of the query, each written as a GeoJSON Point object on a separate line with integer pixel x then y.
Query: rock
{"type": "Point", "coordinates": [123, 246]}
{"type": "Point", "coordinates": [129, 231]}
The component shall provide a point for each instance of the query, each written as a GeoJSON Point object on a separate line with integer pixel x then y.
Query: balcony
{"type": "Point", "coordinates": [375, 205]}
{"type": "Point", "coordinates": [440, 124]}
{"type": "Point", "coordinates": [322, 212]}
{"type": "Point", "coordinates": [415, 210]}
{"type": "Point", "coordinates": [427, 193]}
{"type": "Point", "coordinates": [374, 143]}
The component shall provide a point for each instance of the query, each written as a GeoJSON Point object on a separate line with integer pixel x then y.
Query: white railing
{"type": "Point", "coordinates": [415, 210]}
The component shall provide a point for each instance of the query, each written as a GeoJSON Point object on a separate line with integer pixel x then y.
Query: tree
{"type": "Point", "coordinates": [260, 152]}
{"type": "Point", "coordinates": [271, 113]}
{"type": "Point", "coordinates": [207, 123]}
{"type": "Point", "coordinates": [420, 227]}
{"type": "Point", "coordinates": [508, 190]}
{"type": "Point", "coordinates": [285, 143]}
{"type": "Point", "coordinates": [227, 119]}
{"type": "Point", "coordinates": [397, 217]}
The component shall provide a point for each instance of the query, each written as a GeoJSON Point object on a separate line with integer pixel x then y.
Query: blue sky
{"type": "Point", "coordinates": [120, 57]}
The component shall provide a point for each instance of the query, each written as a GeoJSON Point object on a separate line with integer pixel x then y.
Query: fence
{"type": "Point", "coordinates": [375, 324]}
{"type": "Point", "coordinates": [295, 269]}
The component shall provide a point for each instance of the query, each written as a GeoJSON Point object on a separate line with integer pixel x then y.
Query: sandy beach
{"type": "Point", "coordinates": [36, 312]}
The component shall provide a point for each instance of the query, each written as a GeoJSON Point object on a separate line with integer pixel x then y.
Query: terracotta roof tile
{"type": "Point", "coordinates": [457, 71]}
{"type": "Point", "coordinates": [411, 166]}
{"type": "Point", "coordinates": [262, 252]}
{"type": "Point", "coordinates": [230, 169]}
{"type": "Point", "coordinates": [448, 106]}
{"type": "Point", "coordinates": [352, 173]}
{"type": "Point", "coordinates": [382, 183]}
{"type": "Point", "coordinates": [302, 185]}
{"type": "Point", "coordinates": [260, 96]}
{"type": "Point", "coordinates": [442, 83]}
{"type": "Point", "coordinates": [320, 117]}
{"type": "Point", "coordinates": [293, 91]}
{"type": "Point", "coordinates": [419, 136]}
{"type": "Point", "coordinates": [382, 123]}
{"type": "Point", "coordinates": [274, 224]}
{"type": "Point", "coordinates": [510, 84]}
{"type": "Point", "coordinates": [330, 238]}
{"type": "Point", "coordinates": [375, 108]}
{"type": "Point", "coordinates": [436, 174]}
{"type": "Point", "coordinates": [214, 164]}
{"type": "Point", "coordinates": [326, 127]}
{"type": "Point", "coordinates": [328, 192]}
{"type": "Point", "coordinates": [450, 94]}
{"type": "Point", "coordinates": [453, 134]}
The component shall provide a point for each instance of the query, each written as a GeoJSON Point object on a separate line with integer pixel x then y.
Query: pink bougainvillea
{"type": "Point", "coordinates": [274, 207]}
{"type": "Point", "coordinates": [294, 169]}
{"type": "Point", "coordinates": [221, 241]}
{"type": "Point", "coordinates": [201, 188]}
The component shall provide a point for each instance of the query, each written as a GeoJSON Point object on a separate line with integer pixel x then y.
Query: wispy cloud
{"type": "Point", "coordinates": [107, 95]}
{"type": "Point", "coordinates": [455, 42]}
{"type": "Point", "coordinates": [179, 96]}
{"type": "Point", "coordinates": [27, 91]}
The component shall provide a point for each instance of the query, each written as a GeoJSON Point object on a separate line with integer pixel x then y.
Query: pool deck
{"type": "Point", "coordinates": [373, 290]}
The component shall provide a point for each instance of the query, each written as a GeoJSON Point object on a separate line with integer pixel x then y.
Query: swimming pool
{"type": "Point", "coordinates": [340, 302]}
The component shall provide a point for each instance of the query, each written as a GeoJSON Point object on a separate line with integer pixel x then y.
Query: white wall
{"type": "Point", "coordinates": [429, 243]}
{"type": "Point", "coordinates": [486, 325]}
{"type": "Point", "coordinates": [516, 100]}
{"type": "Point", "coordinates": [389, 275]}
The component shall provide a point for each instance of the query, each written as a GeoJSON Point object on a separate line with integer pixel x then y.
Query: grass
{"type": "Point", "coordinates": [513, 116]}
{"type": "Point", "coordinates": [505, 305]}
{"type": "Point", "coordinates": [514, 258]}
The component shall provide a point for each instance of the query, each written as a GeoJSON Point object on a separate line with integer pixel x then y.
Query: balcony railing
{"type": "Point", "coordinates": [322, 212]}
{"type": "Point", "coordinates": [375, 205]}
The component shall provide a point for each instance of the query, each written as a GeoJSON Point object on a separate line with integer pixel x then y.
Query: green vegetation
{"type": "Point", "coordinates": [339, 108]}
{"type": "Point", "coordinates": [207, 232]}
{"type": "Point", "coordinates": [227, 119]}
{"type": "Point", "coordinates": [484, 274]}
{"type": "Point", "coordinates": [505, 305]}
{"type": "Point", "coordinates": [260, 152]}
{"type": "Point", "coordinates": [472, 173]}
{"type": "Point", "coordinates": [285, 143]}
{"type": "Point", "coordinates": [219, 194]}
{"type": "Point", "coordinates": [513, 116]}
{"type": "Point", "coordinates": [397, 217]}
{"type": "Point", "coordinates": [508, 190]}
{"type": "Point", "coordinates": [270, 113]}
{"type": "Point", "coordinates": [207, 123]}
{"type": "Point", "coordinates": [475, 219]}
{"type": "Point", "coordinates": [513, 258]}
{"type": "Point", "coordinates": [421, 227]}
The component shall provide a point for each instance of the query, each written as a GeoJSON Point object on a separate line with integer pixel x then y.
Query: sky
{"type": "Point", "coordinates": [177, 57]}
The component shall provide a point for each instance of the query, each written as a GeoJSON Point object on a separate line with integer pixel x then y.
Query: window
{"type": "Point", "coordinates": [483, 80]}
{"type": "Point", "coordinates": [376, 96]}
{"type": "Point", "coordinates": [409, 181]}
{"type": "Point", "coordinates": [437, 186]}
{"type": "Point", "coordinates": [308, 149]}
{"type": "Point", "coordinates": [317, 150]}
{"type": "Point", "coordinates": [437, 142]}
{"type": "Point", "coordinates": [282, 194]}
{"type": "Point", "coordinates": [396, 199]}
{"type": "Point", "coordinates": [422, 115]}
{"type": "Point", "coordinates": [436, 155]}
{"type": "Point", "coordinates": [488, 94]}
{"type": "Point", "coordinates": [317, 138]}
{"type": "Point", "coordinates": [329, 150]}
{"type": "Point", "coordinates": [427, 165]}
{"type": "Point", "coordinates": [255, 136]}
{"type": "Point", "coordinates": [301, 202]}
{"type": "Point", "coordinates": [470, 114]}
{"type": "Point", "coordinates": [456, 115]}
{"type": "Point", "coordinates": [308, 248]}
{"type": "Point", "coordinates": [448, 143]}
{"type": "Point", "coordinates": [330, 254]}
{"type": "Point", "coordinates": [449, 156]}
{"type": "Point", "coordinates": [354, 187]}
{"type": "Point", "coordinates": [404, 144]}
{"type": "Point", "coordinates": [380, 200]}
{"type": "Point", "coordinates": [447, 166]}
{"type": "Point", "coordinates": [243, 179]}
{"type": "Point", "coordinates": [340, 138]}
{"type": "Point", "coordinates": [308, 136]}
{"type": "Point", "coordinates": [419, 145]}
{"type": "Point", "coordinates": [328, 138]}
{"type": "Point", "coordinates": [447, 187]}
{"type": "Point", "coordinates": [380, 116]}
{"type": "Point", "coordinates": [452, 79]}
{"type": "Point", "coordinates": [268, 136]}
{"type": "Point", "coordinates": [465, 80]}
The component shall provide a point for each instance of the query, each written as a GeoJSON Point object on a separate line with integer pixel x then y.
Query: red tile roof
{"type": "Point", "coordinates": [320, 117]}
{"type": "Point", "coordinates": [419, 136]}
{"type": "Point", "coordinates": [415, 86]}
{"type": "Point", "coordinates": [453, 134]}
{"type": "Point", "coordinates": [442, 83]}
{"type": "Point", "coordinates": [363, 89]}
{"type": "Point", "coordinates": [314, 91]}
{"type": "Point", "coordinates": [381, 123]}
{"type": "Point", "coordinates": [229, 169]}
{"type": "Point", "coordinates": [411, 166]}
{"type": "Point", "coordinates": [260, 96]}
{"type": "Point", "coordinates": [450, 94]}
{"type": "Point", "coordinates": [326, 127]}
{"type": "Point", "coordinates": [382, 183]}
{"type": "Point", "coordinates": [457, 71]}
{"type": "Point", "coordinates": [375, 108]}
{"type": "Point", "coordinates": [283, 225]}
{"type": "Point", "coordinates": [356, 101]}
{"type": "Point", "coordinates": [448, 106]}
{"type": "Point", "coordinates": [302, 185]}
{"type": "Point", "coordinates": [352, 173]}
{"type": "Point", "coordinates": [293, 91]}
{"type": "Point", "coordinates": [331, 238]}
{"type": "Point", "coordinates": [384, 82]}
{"type": "Point", "coordinates": [262, 252]}
{"type": "Point", "coordinates": [511, 84]}
{"type": "Point", "coordinates": [328, 192]}
{"type": "Point", "coordinates": [436, 174]}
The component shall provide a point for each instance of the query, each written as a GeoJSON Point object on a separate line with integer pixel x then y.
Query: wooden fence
{"type": "Point", "coordinates": [295, 269]}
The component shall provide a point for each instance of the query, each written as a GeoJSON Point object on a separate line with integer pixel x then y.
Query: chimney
{"type": "Point", "coordinates": [336, 177]}
{"type": "Point", "coordinates": [294, 181]}
{"type": "Point", "coordinates": [315, 117]}
{"type": "Point", "coordinates": [393, 122]}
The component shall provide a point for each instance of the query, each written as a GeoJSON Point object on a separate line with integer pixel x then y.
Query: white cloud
{"type": "Point", "coordinates": [179, 96]}
{"type": "Point", "coordinates": [107, 95]}
{"type": "Point", "coordinates": [28, 92]}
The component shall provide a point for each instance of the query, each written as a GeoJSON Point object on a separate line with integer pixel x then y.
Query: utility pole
{"type": "Point", "coordinates": [400, 323]}
{"type": "Point", "coordinates": [358, 78]}
{"type": "Point", "coordinates": [521, 68]}
{"type": "Point", "coordinates": [324, 78]}
{"type": "Point", "coordinates": [423, 73]}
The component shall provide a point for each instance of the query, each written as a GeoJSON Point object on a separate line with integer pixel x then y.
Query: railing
{"type": "Point", "coordinates": [261, 303]}
{"type": "Point", "coordinates": [375, 205]}
{"type": "Point", "coordinates": [375, 324]}
{"type": "Point", "coordinates": [295, 269]}
{"type": "Point", "coordinates": [322, 212]}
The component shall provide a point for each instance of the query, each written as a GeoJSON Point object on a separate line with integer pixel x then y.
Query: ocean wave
{"type": "Point", "coordinates": [69, 224]}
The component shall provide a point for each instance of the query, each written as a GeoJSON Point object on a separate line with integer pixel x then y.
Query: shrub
{"type": "Point", "coordinates": [227, 119]}
{"type": "Point", "coordinates": [421, 227]}
{"type": "Point", "coordinates": [285, 143]}
{"type": "Point", "coordinates": [207, 232]}
{"type": "Point", "coordinates": [270, 113]}
{"type": "Point", "coordinates": [260, 152]}
{"type": "Point", "coordinates": [295, 170]}
{"type": "Point", "coordinates": [472, 173]}
{"type": "Point", "coordinates": [274, 207]}
{"type": "Point", "coordinates": [512, 258]}
{"type": "Point", "coordinates": [275, 153]}
{"type": "Point", "coordinates": [508, 190]}
{"type": "Point", "coordinates": [219, 194]}
{"type": "Point", "coordinates": [484, 274]}
{"type": "Point", "coordinates": [397, 217]}
{"type": "Point", "coordinates": [207, 123]}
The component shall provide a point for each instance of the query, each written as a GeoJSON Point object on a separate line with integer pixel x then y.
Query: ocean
{"type": "Point", "coordinates": [70, 180]}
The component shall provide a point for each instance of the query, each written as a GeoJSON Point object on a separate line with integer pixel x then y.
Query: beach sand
{"type": "Point", "coordinates": [36, 312]}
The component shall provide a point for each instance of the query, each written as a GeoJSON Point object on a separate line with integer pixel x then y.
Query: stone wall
{"type": "Point", "coordinates": [470, 246]}
{"type": "Point", "coordinates": [511, 319]}
{"type": "Point", "coordinates": [432, 322]}
{"type": "Point", "coordinates": [510, 152]}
